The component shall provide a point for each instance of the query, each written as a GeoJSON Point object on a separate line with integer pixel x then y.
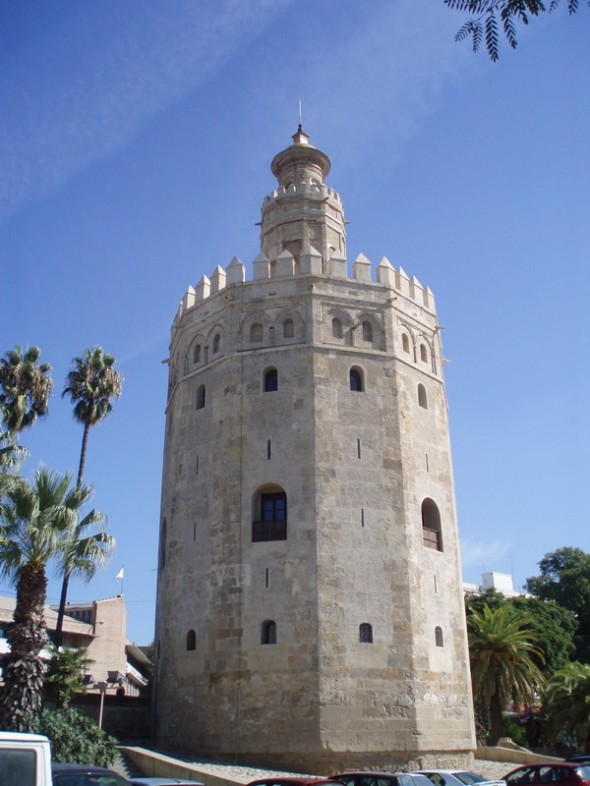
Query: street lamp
{"type": "Point", "coordinates": [102, 686]}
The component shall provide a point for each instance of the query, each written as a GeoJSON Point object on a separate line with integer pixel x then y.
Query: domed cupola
{"type": "Point", "coordinates": [303, 213]}
{"type": "Point", "coordinates": [300, 163]}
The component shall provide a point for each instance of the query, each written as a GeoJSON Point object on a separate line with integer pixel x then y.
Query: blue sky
{"type": "Point", "coordinates": [135, 144]}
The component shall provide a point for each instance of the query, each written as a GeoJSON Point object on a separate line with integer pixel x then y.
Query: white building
{"type": "Point", "coordinates": [501, 582]}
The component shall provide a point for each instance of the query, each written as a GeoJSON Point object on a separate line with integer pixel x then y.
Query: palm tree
{"type": "Point", "coordinates": [92, 383]}
{"type": "Point", "coordinates": [567, 704]}
{"type": "Point", "coordinates": [25, 388]}
{"type": "Point", "coordinates": [11, 455]}
{"type": "Point", "coordinates": [64, 675]}
{"type": "Point", "coordinates": [38, 525]}
{"type": "Point", "coordinates": [502, 655]}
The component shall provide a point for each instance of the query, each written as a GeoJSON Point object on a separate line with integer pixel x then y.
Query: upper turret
{"type": "Point", "coordinates": [303, 213]}
{"type": "Point", "coordinates": [300, 163]}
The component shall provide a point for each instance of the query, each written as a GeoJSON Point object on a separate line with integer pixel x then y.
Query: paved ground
{"type": "Point", "coordinates": [492, 770]}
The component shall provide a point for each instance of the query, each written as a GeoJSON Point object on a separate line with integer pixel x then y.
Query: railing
{"type": "Point", "coordinates": [269, 530]}
{"type": "Point", "coordinates": [137, 675]}
{"type": "Point", "coordinates": [431, 538]}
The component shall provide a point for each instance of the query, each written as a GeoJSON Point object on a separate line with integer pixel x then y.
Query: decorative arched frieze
{"type": "Point", "coordinates": [255, 330]}
{"type": "Point", "coordinates": [368, 331]}
{"type": "Point", "coordinates": [288, 327]}
{"type": "Point", "coordinates": [337, 327]}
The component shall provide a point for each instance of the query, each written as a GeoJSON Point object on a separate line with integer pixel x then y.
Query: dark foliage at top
{"type": "Point", "coordinates": [488, 17]}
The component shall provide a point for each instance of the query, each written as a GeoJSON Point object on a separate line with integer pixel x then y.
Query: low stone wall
{"type": "Point", "coordinates": [508, 751]}
{"type": "Point", "coordinates": [155, 765]}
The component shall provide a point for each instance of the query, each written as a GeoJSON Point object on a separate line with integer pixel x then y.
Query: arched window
{"type": "Point", "coordinates": [270, 516]}
{"type": "Point", "coordinates": [191, 641]}
{"type": "Point", "coordinates": [288, 328]}
{"type": "Point", "coordinates": [200, 396]}
{"type": "Point", "coordinates": [423, 353]}
{"type": "Point", "coordinates": [365, 633]}
{"type": "Point", "coordinates": [216, 343]}
{"type": "Point", "coordinates": [422, 396]}
{"type": "Point", "coordinates": [271, 380]}
{"type": "Point", "coordinates": [431, 526]}
{"type": "Point", "coordinates": [197, 353]}
{"type": "Point", "coordinates": [268, 633]}
{"type": "Point", "coordinates": [405, 342]}
{"type": "Point", "coordinates": [356, 379]}
{"type": "Point", "coordinates": [337, 331]}
{"type": "Point", "coordinates": [256, 333]}
{"type": "Point", "coordinates": [438, 637]}
{"type": "Point", "coordinates": [367, 331]}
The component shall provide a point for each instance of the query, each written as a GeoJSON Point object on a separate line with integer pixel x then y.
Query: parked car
{"type": "Point", "coordinates": [562, 774]}
{"type": "Point", "coordinates": [25, 759]}
{"type": "Point", "coordinates": [381, 779]}
{"type": "Point", "coordinates": [292, 780]}
{"type": "Point", "coordinates": [458, 778]}
{"type": "Point", "coordinates": [164, 782]}
{"type": "Point", "coordinates": [85, 775]}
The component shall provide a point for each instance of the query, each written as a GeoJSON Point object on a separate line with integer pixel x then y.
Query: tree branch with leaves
{"type": "Point", "coordinates": [491, 17]}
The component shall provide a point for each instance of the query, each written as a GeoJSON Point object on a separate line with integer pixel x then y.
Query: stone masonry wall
{"type": "Point", "coordinates": [356, 467]}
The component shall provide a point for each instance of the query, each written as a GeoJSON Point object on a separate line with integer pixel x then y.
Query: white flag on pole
{"type": "Point", "coordinates": [120, 575]}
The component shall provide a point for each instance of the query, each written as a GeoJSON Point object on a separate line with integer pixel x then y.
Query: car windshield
{"type": "Point", "coordinates": [468, 777]}
{"type": "Point", "coordinates": [584, 772]}
{"type": "Point", "coordinates": [522, 776]}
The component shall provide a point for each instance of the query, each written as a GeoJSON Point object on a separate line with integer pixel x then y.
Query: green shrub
{"type": "Point", "coordinates": [516, 732]}
{"type": "Point", "coordinates": [76, 737]}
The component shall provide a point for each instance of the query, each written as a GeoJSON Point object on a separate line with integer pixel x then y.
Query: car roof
{"type": "Point", "coordinates": [380, 774]}
{"type": "Point", "coordinates": [571, 765]}
{"type": "Point", "coordinates": [59, 766]}
{"type": "Point", "coordinates": [450, 772]}
{"type": "Point", "coordinates": [372, 773]}
{"type": "Point", "coordinates": [158, 781]}
{"type": "Point", "coordinates": [300, 779]}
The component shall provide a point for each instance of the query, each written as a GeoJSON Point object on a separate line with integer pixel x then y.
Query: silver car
{"type": "Point", "coordinates": [458, 778]}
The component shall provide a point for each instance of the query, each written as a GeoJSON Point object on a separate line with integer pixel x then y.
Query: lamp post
{"type": "Point", "coordinates": [102, 686]}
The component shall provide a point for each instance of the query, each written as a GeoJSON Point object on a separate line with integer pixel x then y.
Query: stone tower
{"type": "Point", "coordinates": [310, 612]}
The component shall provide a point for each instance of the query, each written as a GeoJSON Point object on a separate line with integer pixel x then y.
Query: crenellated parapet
{"type": "Point", "coordinates": [309, 263]}
{"type": "Point", "coordinates": [308, 190]}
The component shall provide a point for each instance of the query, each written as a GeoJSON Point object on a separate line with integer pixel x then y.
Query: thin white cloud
{"type": "Point", "coordinates": [370, 90]}
{"type": "Point", "coordinates": [479, 556]}
{"type": "Point", "coordinates": [81, 89]}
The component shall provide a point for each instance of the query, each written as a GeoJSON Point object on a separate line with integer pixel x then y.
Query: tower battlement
{"type": "Point", "coordinates": [311, 263]}
{"type": "Point", "coordinates": [308, 189]}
